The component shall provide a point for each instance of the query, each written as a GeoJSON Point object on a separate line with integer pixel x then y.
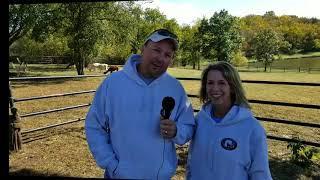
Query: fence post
{"type": "Point", "coordinates": [15, 140]}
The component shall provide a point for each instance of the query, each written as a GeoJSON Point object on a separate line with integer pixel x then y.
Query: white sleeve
{"type": "Point", "coordinates": [97, 131]}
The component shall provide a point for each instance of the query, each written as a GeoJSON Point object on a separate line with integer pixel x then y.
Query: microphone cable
{"type": "Point", "coordinates": [168, 104]}
{"type": "Point", "coordinates": [164, 146]}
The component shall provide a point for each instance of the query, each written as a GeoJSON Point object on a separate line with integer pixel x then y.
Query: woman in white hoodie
{"type": "Point", "coordinates": [229, 143]}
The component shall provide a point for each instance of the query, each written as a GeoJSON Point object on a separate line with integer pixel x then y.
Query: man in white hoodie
{"type": "Point", "coordinates": [125, 131]}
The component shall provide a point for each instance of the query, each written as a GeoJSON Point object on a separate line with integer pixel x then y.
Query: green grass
{"type": "Point", "coordinates": [63, 151]}
{"type": "Point", "coordinates": [268, 76]}
{"type": "Point", "coordinates": [301, 55]}
{"type": "Point", "coordinates": [306, 64]}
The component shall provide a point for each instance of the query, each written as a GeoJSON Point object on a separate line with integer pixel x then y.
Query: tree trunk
{"type": "Point", "coordinates": [80, 66]}
{"type": "Point", "coordinates": [265, 67]}
{"type": "Point", "coordinates": [79, 62]}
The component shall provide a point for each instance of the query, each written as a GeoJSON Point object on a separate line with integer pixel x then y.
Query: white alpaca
{"type": "Point", "coordinates": [95, 66]}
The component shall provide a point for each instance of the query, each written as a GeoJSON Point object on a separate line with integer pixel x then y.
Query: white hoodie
{"type": "Point", "coordinates": [123, 125]}
{"type": "Point", "coordinates": [234, 149]}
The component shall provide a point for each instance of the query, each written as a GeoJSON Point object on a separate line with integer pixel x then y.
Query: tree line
{"type": "Point", "coordinates": [111, 31]}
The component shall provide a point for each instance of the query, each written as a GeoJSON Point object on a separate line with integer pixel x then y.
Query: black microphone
{"type": "Point", "coordinates": [167, 106]}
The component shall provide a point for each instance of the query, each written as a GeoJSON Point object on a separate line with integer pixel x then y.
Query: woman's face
{"type": "Point", "coordinates": [218, 89]}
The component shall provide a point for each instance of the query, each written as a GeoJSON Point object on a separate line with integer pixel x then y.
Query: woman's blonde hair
{"type": "Point", "coordinates": [232, 77]}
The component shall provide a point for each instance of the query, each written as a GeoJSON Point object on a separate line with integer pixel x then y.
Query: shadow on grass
{"type": "Point", "coordinates": [20, 84]}
{"type": "Point", "coordinates": [280, 169]}
{"type": "Point", "coordinates": [41, 175]}
{"type": "Point", "coordinates": [51, 67]}
{"type": "Point", "coordinates": [31, 172]}
{"type": "Point", "coordinates": [286, 170]}
{"type": "Point", "coordinates": [37, 174]}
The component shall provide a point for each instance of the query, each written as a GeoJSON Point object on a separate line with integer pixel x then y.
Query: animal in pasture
{"type": "Point", "coordinates": [91, 67]}
{"type": "Point", "coordinates": [111, 69]}
{"type": "Point", "coordinates": [103, 67]}
{"type": "Point", "coordinates": [94, 66]}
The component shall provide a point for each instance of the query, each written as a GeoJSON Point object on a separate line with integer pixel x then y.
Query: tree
{"type": "Point", "coordinates": [190, 45]}
{"type": "Point", "coordinates": [30, 50]}
{"type": "Point", "coordinates": [122, 35]}
{"type": "Point", "coordinates": [269, 14]}
{"type": "Point", "coordinates": [266, 45]}
{"type": "Point", "coordinates": [35, 18]}
{"type": "Point", "coordinates": [238, 59]}
{"type": "Point", "coordinates": [83, 31]}
{"type": "Point", "coordinates": [22, 19]}
{"type": "Point", "coordinates": [221, 35]}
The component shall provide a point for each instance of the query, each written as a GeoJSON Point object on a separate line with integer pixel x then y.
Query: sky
{"type": "Point", "coordinates": [187, 11]}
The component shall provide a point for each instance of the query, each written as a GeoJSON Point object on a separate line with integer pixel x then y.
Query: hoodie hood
{"type": "Point", "coordinates": [235, 114]}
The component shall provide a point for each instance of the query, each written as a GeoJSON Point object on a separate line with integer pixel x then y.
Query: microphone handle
{"type": "Point", "coordinates": [165, 114]}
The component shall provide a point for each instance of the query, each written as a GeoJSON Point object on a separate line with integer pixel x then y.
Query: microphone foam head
{"type": "Point", "coordinates": [168, 103]}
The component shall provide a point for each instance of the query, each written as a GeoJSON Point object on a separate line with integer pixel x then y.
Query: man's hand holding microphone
{"type": "Point", "coordinates": [168, 128]}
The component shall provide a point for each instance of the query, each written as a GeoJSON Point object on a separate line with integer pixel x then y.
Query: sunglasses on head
{"type": "Point", "coordinates": [164, 32]}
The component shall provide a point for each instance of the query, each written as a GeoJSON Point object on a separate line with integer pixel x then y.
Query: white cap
{"type": "Point", "coordinates": [162, 34]}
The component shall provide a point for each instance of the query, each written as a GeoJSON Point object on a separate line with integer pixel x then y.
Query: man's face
{"type": "Point", "coordinates": [156, 57]}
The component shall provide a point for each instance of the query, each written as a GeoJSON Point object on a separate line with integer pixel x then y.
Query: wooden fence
{"type": "Point", "coordinates": [16, 134]}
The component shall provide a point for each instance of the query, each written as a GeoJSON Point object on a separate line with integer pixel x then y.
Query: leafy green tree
{"type": "Point", "coordinates": [120, 25]}
{"type": "Point", "coordinates": [185, 42]}
{"type": "Point", "coordinates": [317, 44]}
{"type": "Point", "coordinates": [39, 19]}
{"type": "Point", "coordinates": [221, 35]}
{"type": "Point", "coordinates": [269, 14]}
{"type": "Point", "coordinates": [31, 50]}
{"type": "Point", "coordinates": [172, 25]}
{"type": "Point", "coordinates": [309, 41]}
{"type": "Point", "coordinates": [205, 38]}
{"type": "Point", "coordinates": [137, 31]}
{"type": "Point", "coordinates": [22, 19]}
{"type": "Point", "coordinates": [298, 34]}
{"type": "Point", "coordinates": [26, 48]}
{"type": "Point", "coordinates": [29, 28]}
{"type": "Point", "coordinates": [266, 45]}
{"type": "Point", "coordinates": [190, 46]}
{"type": "Point", "coordinates": [239, 59]}
{"type": "Point", "coordinates": [83, 31]}
{"type": "Point", "coordinates": [139, 23]}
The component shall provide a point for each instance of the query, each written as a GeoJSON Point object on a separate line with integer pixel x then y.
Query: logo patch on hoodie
{"type": "Point", "coordinates": [228, 144]}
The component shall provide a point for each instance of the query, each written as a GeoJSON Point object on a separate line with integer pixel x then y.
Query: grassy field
{"type": "Point", "coordinates": [63, 151]}
{"type": "Point", "coordinates": [299, 55]}
{"type": "Point", "coordinates": [306, 64]}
